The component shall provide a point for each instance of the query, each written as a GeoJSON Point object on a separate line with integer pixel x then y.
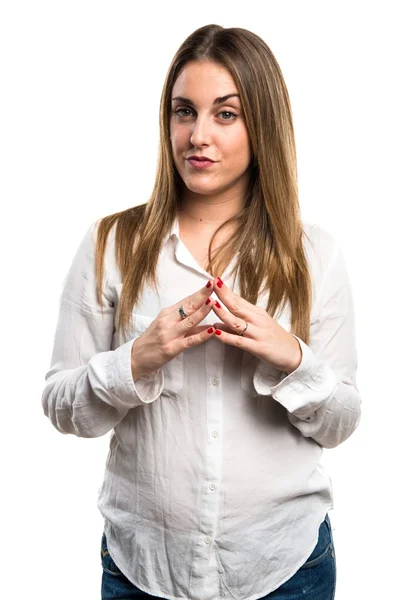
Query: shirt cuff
{"type": "Point", "coordinates": [305, 389]}
{"type": "Point", "coordinates": [145, 389]}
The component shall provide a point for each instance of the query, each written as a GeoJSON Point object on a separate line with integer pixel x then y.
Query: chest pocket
{"type": "Point", "coordinates": [173, 369]}
{"type": "Point", "coordinates": [249, 365]}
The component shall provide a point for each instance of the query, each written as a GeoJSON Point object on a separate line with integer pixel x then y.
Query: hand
{"type": "Point", "coordinates": [264, 337]}
{"type": "Point", "coordinates": [169, 334]}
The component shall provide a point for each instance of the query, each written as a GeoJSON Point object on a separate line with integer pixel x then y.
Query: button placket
{"type": "Point", "coordinates": [210, 512]}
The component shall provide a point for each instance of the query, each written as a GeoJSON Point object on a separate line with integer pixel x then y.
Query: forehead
{"type": "Point", "coordinates": [206, 80]}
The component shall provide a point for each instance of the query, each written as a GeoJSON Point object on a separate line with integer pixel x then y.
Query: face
{"type": "Point", "coordinates": [204, 125]}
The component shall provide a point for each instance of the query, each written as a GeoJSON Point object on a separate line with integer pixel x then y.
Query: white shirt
{"type": "Point", "coordinates": [213, 485]}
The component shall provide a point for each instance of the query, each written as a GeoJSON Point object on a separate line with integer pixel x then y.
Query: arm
{"type": "Point", "coordinates": [89, 387]}
{"type": "Point", "coordinates": [321, 395]}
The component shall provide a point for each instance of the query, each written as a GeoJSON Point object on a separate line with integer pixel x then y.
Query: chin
{"type": "Point", "coordinates": [200, 189]}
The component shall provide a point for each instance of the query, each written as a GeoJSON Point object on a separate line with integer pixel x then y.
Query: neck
{"type": "Point", "coordinates": [210, 210]}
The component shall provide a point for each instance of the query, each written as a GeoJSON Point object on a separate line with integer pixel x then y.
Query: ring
{"type": "Point", "coordinates": [244, 330]}
{"type": "Point", "coordinates": [182, 312]}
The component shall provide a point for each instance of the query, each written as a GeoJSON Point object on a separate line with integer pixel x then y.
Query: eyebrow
{"type": "Point", "coordinates": [219, 100]}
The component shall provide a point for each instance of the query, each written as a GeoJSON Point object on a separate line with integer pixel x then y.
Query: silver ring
{"type": "Point", "coordinates": [244, 330]}
{"type": "Point", "coordinates": [182, 312]}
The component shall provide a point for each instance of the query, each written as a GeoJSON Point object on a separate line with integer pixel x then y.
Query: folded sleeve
{"type": "Point", "coordinates": [89, 387]}
{"type": "Point", "coordinates": [321, 395]}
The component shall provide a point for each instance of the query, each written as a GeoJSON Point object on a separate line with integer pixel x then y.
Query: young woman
{"type": "Point", "coordinates": [211, 331]}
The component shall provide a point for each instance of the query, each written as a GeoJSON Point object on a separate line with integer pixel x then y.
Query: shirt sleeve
{"type": "Point", "coordinates": [89, 387]}
{"type": "Point", "coordinates": [321, 395]}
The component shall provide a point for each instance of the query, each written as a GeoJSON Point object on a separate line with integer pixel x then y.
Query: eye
{"type": "Point", "coordinates": [179, 110]}
{"type": "Point", "coordinates": [228, 112]}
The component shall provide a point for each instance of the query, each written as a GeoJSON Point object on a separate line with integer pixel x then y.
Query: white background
{"type": "Point", "coordinates": [80, 90]}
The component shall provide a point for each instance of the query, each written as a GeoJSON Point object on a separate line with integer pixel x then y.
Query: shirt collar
{"type": "Point", "coordinates": [182, 254]}
{"type": "Point", "coordinates": [173, 232]}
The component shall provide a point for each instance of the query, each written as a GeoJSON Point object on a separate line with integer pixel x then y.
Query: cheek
{"type": "Point", "coordinates": [177, 141]}
{"type": "Point", "coordinates": [238, 146]}
{"type": "Point", "coordinates": [178, 131]}
{"type": "Point", "coordinates": [240, 155]}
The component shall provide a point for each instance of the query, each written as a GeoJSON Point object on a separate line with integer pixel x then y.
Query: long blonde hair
{"type": "Point", "coordinates": [269, 232]}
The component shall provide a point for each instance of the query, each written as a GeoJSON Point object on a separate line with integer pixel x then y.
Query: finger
{"type": "Point", "coordinates": [194, 319]}
{"type": "Point", "coordinates": [197, 329]}
{"type": "Point", "coordinates": [196, 339]}
{"type": "Point", "coordinates": [236, 324]}
{"type": "Point", "coordinates": [193, 302]}
{"type": "Point", "coordinates": [236, 340]}
{"type": "Point", "coordinates": [233, 302]}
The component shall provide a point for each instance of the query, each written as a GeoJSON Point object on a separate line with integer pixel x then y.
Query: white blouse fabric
{"type": "Point", "coordinates": [213, 486]}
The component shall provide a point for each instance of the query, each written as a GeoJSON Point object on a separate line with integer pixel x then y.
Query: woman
{"type": "Point", "coordinates": [211, 331]}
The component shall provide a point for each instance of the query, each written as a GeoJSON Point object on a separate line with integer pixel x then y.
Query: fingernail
{"type": "Point", "coordinates": [219, 282]}
{"type": "Point", "coordinates": [208, 301]}
{"type": "Point", "coordinates": [217, 304]}
{"type": "Point", "coordinates": [218, 332]}
{"type": "Point", "coordinates": [210, 330]}
{"type": "Point", "coordinates": [208, 284]}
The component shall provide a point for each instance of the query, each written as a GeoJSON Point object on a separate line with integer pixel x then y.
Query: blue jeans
{"type": "Point", "coordinates": [315, 580]}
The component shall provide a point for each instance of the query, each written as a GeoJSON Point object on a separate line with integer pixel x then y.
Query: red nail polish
{"type": "Point", "coordinates": [217, 304]}
{"type": "Point", "coordinates": [210, 330]}
{"type": "Point", "coordinates": [208, 301]}
{"type": "Point", "coordinates": [218, 332]}
{"type": "Point", "coordinates": [208, 284]}
{"type": "Point", "coordinates": [219, 282]}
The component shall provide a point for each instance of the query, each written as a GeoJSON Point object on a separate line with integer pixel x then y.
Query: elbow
{"type": "Point", "coordinates": [55, 404]}
{"type": "Point", "coordinates": [58, 416]}
{"type": "Point", "coordinates": [73, 405]}
{"type": "Point", "coordinates": [69, 424]}
{"type": "Point", "coordinates": [68, 419]}
{"type": "Point", "coordinates": [341, 433]}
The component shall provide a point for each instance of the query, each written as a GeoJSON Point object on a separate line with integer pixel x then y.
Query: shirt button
{"type": "Point", "coordinates": [215, 434]}
{"type": "Point", "coordinates": [215, 381]}
{"type": "Point", "coordinates": [212, 486]}
{"type": "Point", "coordinates": [208, 540]}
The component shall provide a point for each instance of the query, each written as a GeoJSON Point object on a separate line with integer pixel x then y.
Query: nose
{"type": "Point", "coordinates": [201, 134]}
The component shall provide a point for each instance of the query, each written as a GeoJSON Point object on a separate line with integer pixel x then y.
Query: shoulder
{"type": "Point", "coordinates": [326, 263]}
{"type": "Point", "coordinates": [89, 239]}
{"type": "Point", "coordinates": [328, 267]}
{"type": "Point", "coordinates": [85, 256]}
{"type": "Point", "coordinates": [320, 245]}
{"type": "Point", "coordinates": [109, 241]}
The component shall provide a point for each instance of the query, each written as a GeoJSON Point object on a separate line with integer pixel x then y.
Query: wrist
{"type": "Point", "coordinates": [296, 359]}
{"type": "Point", "coordinates": [137, 371]}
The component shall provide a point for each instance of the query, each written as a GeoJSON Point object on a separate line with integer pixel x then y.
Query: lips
{"type": "Point", "coordinates": [200, 164]}
{"type": "Point", "coordinates": [200, 158]}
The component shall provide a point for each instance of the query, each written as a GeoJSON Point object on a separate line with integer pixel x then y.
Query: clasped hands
{"type": "Point", "coordinates": [169, 334]}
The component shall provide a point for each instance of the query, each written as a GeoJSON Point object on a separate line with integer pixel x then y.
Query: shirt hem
{"type": "Point", "coordinates": [258, 595]}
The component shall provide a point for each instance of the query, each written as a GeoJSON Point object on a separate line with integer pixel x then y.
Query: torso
{"type": "Point", "coordinates": [198, 248]}
{"type": "Point", "coordinates": [197, 239]}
